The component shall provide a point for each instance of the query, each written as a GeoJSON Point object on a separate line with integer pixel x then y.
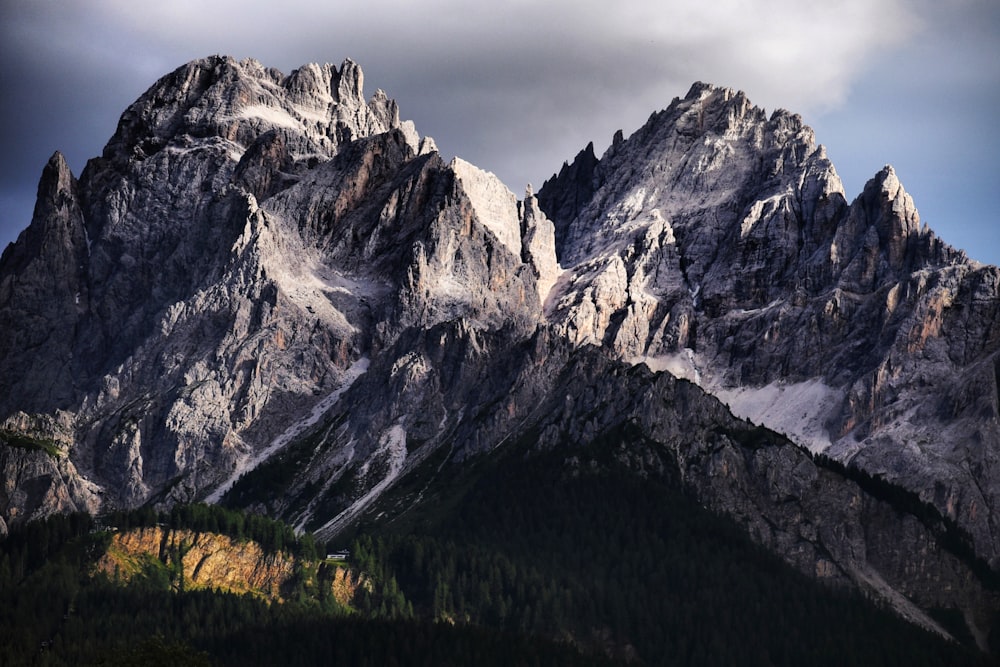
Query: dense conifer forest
{"type": "Point", "coordinates": [520, 560]}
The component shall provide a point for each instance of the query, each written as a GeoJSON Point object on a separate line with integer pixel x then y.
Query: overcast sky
{"type": "Point", "coordinates": [519, 87]}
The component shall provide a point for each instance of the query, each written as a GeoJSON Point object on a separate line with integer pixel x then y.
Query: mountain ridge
{"type": "Point", "coordinates": [271, 276]}
{"type": "Point", "coordinates": [783, 281]}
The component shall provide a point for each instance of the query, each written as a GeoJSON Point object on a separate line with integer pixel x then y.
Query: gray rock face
{"type": "Point", "coordinates": [268, 282]}
{"type": "Point", "coordinates": [244, 239]}
{"type": "Point", "coordinates": [39, 477]}
{"type": "Point", "coordinates": [42, 291]}
{"type": "Point", "coordinates": [717, 242]}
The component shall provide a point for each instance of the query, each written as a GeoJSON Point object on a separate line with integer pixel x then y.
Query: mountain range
{"type": "Point", "coordinates": [271, 293]}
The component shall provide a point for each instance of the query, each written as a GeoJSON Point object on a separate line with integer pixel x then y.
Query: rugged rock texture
{"type": "Point", "coordinates": [245, 238]}
{"type": "Point", "coordinates": [717, 242]}
{"type": "Point", "coordinates": [38, 476]}
{"type": "Point", "coordinates": [42, 292]}
{"type": "Point", "coordinates": [273, 293]}
{"type": "Point", "coordinates": [218, 562]}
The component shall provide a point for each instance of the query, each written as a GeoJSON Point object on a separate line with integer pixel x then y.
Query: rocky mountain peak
{"type": "Point", "coordinates": [42, 291]}
{"type": "Point", "coordinates": [222, 99]}
{"type": "Point", "coordinates": [719, 109]}
{"type": "Point", "coordinates": [494, 203]}
{"type": "Point", "coordinates": [882, 238]}
{"type": "Point", "coordinates": [56, 177]}
{"type": "Point", "coordinates": [901, 204]}
{"type": "Point", "coordinates": [351, 81]}
{"type": "Point", "coordinates": [56, 220]}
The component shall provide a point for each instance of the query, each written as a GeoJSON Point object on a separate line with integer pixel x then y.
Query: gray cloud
{"type": "Point", "coordinates": [513, 87]}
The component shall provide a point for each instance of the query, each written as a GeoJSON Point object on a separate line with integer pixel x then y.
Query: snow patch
{"type": "Point", "coordinates": [356, 370]}
{"type": "Point", "coordinates": [319, 114]}
{"type": "Point", "coordinates": [800, 410]}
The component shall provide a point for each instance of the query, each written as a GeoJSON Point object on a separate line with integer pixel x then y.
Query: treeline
{"type": "Point", "coordinates": [31, 546]}
{"type": "Point", "coordinates": [527, 561]}
{"type": "Point", "coordinates": [272, 535]}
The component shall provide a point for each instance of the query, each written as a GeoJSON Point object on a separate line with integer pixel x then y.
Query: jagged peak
{"type": "Point", "coordinates": [56, 170]}
{"type": "Point", "coordinates": [494, 203]}
{"type": "Point", "coordinates": [238, 100]}
{"type": "Point", "coordinates": [886, 178]}
{"type": "Point", "coordinates": [58, 160]}
{"type": "Point", "coordinates": [701, 89]}
{"type": "Point", "coordinates": [55, 189]}
{"type": "Point", "coordinates": [352, 80]}
{"type": "Point", "coordinates": [717, 95]}
{"type": "Point", "coordinates": [888, 186]}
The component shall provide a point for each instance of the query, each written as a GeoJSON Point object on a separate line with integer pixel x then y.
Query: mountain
{"type": "Point", "coordinates": [269, 292]}
{"type": "Point", "coordinates": [717, 242]}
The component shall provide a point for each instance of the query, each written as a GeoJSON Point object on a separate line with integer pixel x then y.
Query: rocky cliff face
{"type": "Point", "coordinates": [553, 396]}
{"type": "Point", "coordinates": [273, 293]}
{"type": "Point", "coordinates": [186, 322]}
{"type": "Point", "coordinates": [39, 477]}
{"type": "Point", "coordinates": [217, 562]}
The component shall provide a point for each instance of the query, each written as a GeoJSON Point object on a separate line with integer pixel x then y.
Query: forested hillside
{"type": "Point", "coordinates": [516, 560]}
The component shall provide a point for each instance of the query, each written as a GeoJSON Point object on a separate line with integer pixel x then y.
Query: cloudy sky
{"type": "Point", "coordinates": [518, 87]}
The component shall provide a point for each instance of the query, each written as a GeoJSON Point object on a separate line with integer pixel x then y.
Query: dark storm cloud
{"type": "Point", "coordinates": [514, 87]}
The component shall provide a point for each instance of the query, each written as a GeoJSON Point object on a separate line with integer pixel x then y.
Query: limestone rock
{"type": "Point", "coordinates": [43, 292]}
{"type": "Point", "coordinates": [216, 562]}
{"type": "Point", "coordinates": [539, 247]}
{"type": "Point", "coordinates": [245, 240]}
{"type": "Point", "coordinates": [269, 273]}
{"type": "Point", "coordinates": [717, 242]}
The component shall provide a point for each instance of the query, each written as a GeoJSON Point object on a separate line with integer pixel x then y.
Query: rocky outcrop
{"type": "Point", "coordinates": [216, 562]}
{"type": "Point", "coordinates": [38, 476]}
{"type": "Point", "coordinates": [568, 192]}
{"type": "Point", "coordinates": [539, 247]}
{"type": "Point", "coordinates": [43, 290]}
